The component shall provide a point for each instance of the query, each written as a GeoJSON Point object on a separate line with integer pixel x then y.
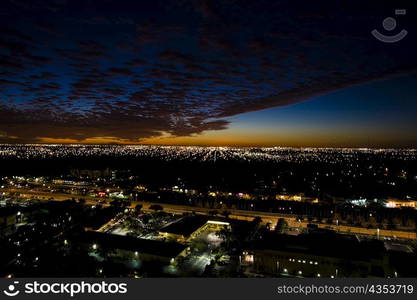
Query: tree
{"type": "Point", "coordinates": [138, 208]}
{"type": "Point", "coordinates": [254, 226]}
{"type": "Point", "coordinates": [156, 207]}
{"type": "Point", "coordinates": [226, 213]}
{"type": "Point", "coordinates": [256, 221]}
{"type": "Point", "coordinates": [125, 204]}
{"type": "Point", "coordinates": [116, 203]}
{"type": "Point", "coordinates": [213, 213]}
{"type": "Point", "coordinates": [226, 235]}
{"type": "Point", "coordinates": [391, 225]}
{"type": "Point", "coordinates": [282, 225]}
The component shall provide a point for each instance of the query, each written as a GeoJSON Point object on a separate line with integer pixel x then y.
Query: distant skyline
{"type": "Point", "coordinates": [220, 73]}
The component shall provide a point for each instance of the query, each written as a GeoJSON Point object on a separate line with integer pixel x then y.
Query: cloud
{"type": "Point", "coordinates": [10, 63]}
{"type": "Point", "coordinates": [137, 62]}
{"type": "Point", "coordinates": [91, 45]}
{"type": "Point", "coordinates": [9, 82]}
{"type": "Point", "coordinates": [121, 71]}
{"type": "Point", "coordinates": [15, 34]}
{"type": "Point", "coordinates": [132, 71]}
{"type": "Point", "coordinates": [39, 59]}
{"type": "Point", "coordinates": [43, 75]}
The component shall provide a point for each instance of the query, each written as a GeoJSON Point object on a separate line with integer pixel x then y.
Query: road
{"type": "Point", "coordinates": [234, 213]}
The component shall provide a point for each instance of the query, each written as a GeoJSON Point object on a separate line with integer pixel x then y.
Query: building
{"type": "Point", "coordinates": [127, 247]}
{"type": "Point", "coordinates": [398, 203]}
{"type": "Point", "coordinates": [8, 220]}
{"type": "Point", "coordinates": [298, 198]}
{"type": "Point", "coordinates": [189, 227]}
{"type": "Point", "coordinates": [100, 218]}
{"type": "Point", "coordinates": [317, 254]}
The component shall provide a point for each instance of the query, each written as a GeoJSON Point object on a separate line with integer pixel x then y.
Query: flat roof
{"type": "Point", "coordinates": [185, 226]}
{"type": "Point", "coordinates": [113, 241]}
{"type": "Point", "coordinates": [394, 246]}
{"type": "Point", "coordinates": [101, 217]}
{"type": "Point", "coordinates": [8, 211]}
{"type": "Point", "coordinates": [322, 244]}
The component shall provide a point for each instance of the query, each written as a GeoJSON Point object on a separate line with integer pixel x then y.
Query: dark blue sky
{"type": "Point", "coordinates": [381, 113]}
{"type": "Point", "coordinates": [231, 72]}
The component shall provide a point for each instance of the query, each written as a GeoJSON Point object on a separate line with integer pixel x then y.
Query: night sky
{"type": "Point", "coordinates": [231, 72]}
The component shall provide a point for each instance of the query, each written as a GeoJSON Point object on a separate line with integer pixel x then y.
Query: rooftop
{"type": "Point", "coordinates": [330, 244]}
{"type": "Point", "coordinates": [112, 241]}
{"type": "Point", "coordinates": [185, 226]}
{"type": "Point", "coordinates": [101, 217]}
{"type": "Point", "coordinates": [8, 211]}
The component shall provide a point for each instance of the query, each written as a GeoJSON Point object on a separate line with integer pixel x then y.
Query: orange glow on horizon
{"type": "Point", "coordinates": [227, 139]}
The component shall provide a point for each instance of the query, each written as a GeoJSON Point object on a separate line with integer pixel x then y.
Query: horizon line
{"type": "Point", "coordinates": [210, 146]}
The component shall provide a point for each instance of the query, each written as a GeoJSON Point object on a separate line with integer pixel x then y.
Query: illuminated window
{"type": "Point", "coordinates": [248, 258]}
